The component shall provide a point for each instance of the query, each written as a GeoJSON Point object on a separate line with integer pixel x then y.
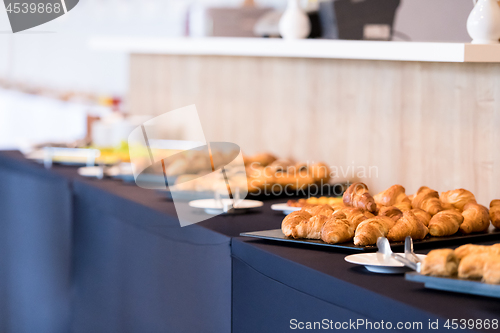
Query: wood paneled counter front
{"type": "Point", "coordinates": [383, 112]}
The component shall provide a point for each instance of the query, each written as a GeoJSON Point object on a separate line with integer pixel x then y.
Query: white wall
{"type": "Point", "coordinates": [56, 53]}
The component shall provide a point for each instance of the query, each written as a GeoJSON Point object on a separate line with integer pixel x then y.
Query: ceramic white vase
{"type": "Point", "coordinates": [294, 24]}
{"type": "Point", "coordinates": [483, 24]}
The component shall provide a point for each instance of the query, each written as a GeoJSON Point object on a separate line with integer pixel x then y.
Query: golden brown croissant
{"type": "Point", "coordinates": [291, 221]}
{"type": "Point", "coordinates": [311, 229]}
{"type": "Point", "coordinates": [403, 206]}
{"type": "Point", "coordinates": [356, 215]}
{"type": "Point", "coordinates": [469, 249]}
{"type": "Point", "coordinates": [476, 218]}
{"type": "Point", "coordinates": [325, 210]}
{"type": "Point", "coordinates": [442, 262]}
{"type": "Point", "coordinates": [337, 231]}
{"type": "Point", "coordinates": [408, 225]}
{"type": "Point", "coordinates": [357, 196]}
{"type": "Point", "coordinates": [457, 198]}
{"type": "Point", "coordinates": [428, 200]}
{"type": "Point", "coordinates": [491, 270]}
{"type": "Point", "coordinates": [445, 223]}
{"type": "Point", "coordinates": [263, 159]}
{"type": "Point", "coordinates": [495, 213]}
{"type": "Point", "coordinates": [422, 215]}
{"type": "Point", "coordinates": [393, 195]}
{"type": "Point", "coordinates": [370, 230]}
{"type": "Point", "coordinates": [391, 211]}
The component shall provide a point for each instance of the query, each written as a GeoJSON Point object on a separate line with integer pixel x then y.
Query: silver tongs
{"type": "Point", "coordinates": [384, 248]}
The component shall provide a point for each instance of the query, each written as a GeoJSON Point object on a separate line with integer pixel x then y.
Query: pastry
{"type": "Point", "coordinates": [495, 213]}
{"type": "Point", "coordinates": [325, 210]}
{"type": "Point", "coordinates": [471, 267]}
{"type": "Point", "coordinates": [491, 270]}
{"type": "Point", "coordinates": [262, 159]}
{"type": "Point", "coordinates": [291, 221]}
{"type": "Point", "coordinates": [320, 172]}
{"type": "Point", "coordinates": [355, 215]}
{"type": "Point", "coordinates": [370, 230]}
{"type": "Point", "coordinates": [441, 262]}
{"type": "Point", "coordinates": [393, 195]}
{"type": "Point", "coordinates": [403, 206]}
{"type": "Point", "coordinates": [357, 196]}
{"type": "Point", "coordinates": [428, 200]}
{"type": "Point", "coordinates": [469, 249]}
{"type": "Point", "coordinates": [311, 229]}
{"type": "Point", "coordinates": [408, 225]}
{"type": "Point", "coordinates": [445, 223]}
{"type": "Point", "coordinates": [456, 198]}
{"type": "Point", "coordinates": [422, 215]}
{"type": "Point", "coordinates": [476, 218]}
{"type": "Point", "coordinates": [391, 211]}
{"type": "Point", "coordinates": [337, 230]}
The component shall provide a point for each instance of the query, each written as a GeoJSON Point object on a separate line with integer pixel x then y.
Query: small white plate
{"type": "Point", "coordinates": [378, 263]}
{"type": "Point", "coordinates": [211, 206]}
{"type": "Point", "coordinates": [283, 207]}
{"type": "Point", "coordinates": [93, 171]}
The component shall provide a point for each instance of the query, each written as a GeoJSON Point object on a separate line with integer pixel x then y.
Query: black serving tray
{"type": "Point", "coordinates": [428, 243]}
{"type": "Point", "coordinates": [455, 285]}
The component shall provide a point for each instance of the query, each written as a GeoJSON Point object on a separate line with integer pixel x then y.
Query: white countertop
{"type": "Point", "coordinates": [327, 49]}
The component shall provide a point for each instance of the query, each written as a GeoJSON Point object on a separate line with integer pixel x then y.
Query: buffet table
{"type": "Point", "coordinates": [115, 255]}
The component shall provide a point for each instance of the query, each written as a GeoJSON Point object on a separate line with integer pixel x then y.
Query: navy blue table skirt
{"type": "Point", "coordinates": [83, 255]}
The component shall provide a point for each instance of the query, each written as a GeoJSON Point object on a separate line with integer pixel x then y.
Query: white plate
{"type": "Point", "coordinates": [378, 263]}
{"type": "Point", "coordinates": [283, 207]}
{"type": "Point", "coordinates": [211, 206]}
{"type": "Point", "coordinates": [93, 171]}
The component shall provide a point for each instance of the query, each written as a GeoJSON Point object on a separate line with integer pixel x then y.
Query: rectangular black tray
{"type": "Point", "coordinates": [455, 285]}
{"type": "Point", "coordinates": [429, 242]}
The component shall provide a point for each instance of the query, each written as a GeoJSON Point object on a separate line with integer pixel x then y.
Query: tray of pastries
{"type": "Point", "coordinates": [470, 269]}
{"type": "Point", "coordinates": [430, 218]}
{"type": "Point", "coordinates": [263, 176]}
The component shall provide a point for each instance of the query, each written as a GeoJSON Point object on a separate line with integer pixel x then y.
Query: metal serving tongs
{"type": "Point", "coordinates": [409, 254]}
{"type": "Point", "coordinates": [384, 248]}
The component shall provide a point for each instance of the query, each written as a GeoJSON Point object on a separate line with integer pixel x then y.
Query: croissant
{"type": "Point", "coordinates": [291, 221]}
{"type": "Point", "coordinates": [471, 267]}
{"type": "Point", "coordinates": [456, 198]}
{"type": "Point", "coordinates": [391, 211]}
{"type": "Point", "coordinates": [261, 159]}
{"type": "Point", "coordinates": [370, 230]}
{"type": "Point", "coordinates": [469, 249]}
{"type": "Point", "coordinates": [357, 196]}
{"type": "Point", "coordinates": [422, 215]}
{"type": "Point", "coordinates": [445, 223]}
{"type": "Point", "coordinates": [476, 218]}
{"type": "Point", "coordinates": [311, 229]}
{"type": "Point", "coordinates": [320, 172]}
{"type": "Point", "coordinates": [491, 271]}
{"type": "Point", "coordinates": [355, 215]}
{"type": "Point", "coordinates": [403, 206]}
{"type": "Point", "coordinates": [393, 195]}
{"type": "Point", "coordinates": [337, 231]}
{"type": "Point", "coordinates": [325, 210]}
{"type": "Point", "coordinates": [442, 262]}
{"type": "Point", "coordinates": [428, 200]}
{"type": "Point", "coordinates": [495, 213]}
{"type": "Point", "coordinates": [408, 225]}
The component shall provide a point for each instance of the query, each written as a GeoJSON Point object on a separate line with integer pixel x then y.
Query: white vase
{"type": "Point", "coordinates": [483, 24]}
{"type": "Point", "coordinates": [294, 24]}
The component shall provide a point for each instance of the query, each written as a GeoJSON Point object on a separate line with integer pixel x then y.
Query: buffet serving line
{"type": "Point", "coordinates": [116, 256]}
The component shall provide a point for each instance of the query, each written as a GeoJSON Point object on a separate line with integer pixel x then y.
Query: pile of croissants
{"type": "Point", "coordinates": [392, 214]}
{"type": "Point", "coordinates": [474, 262]}
{"type": "Point", "coordinates": [265, 171]}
